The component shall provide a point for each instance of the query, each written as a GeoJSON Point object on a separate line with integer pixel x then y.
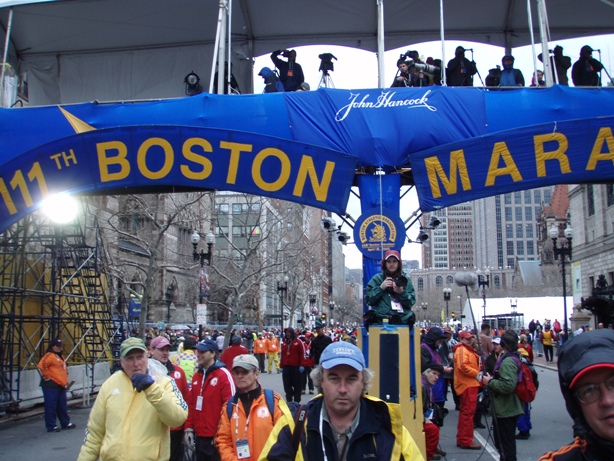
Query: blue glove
{"type": "Point", "coordinates": [142, 382]}
{"type": "Point", "coordinates": [301, 369]}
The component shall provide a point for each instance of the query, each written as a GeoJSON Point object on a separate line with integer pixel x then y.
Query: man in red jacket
{"type": "Point", "coordinates": [292, 360]}
{"type": "Point", "coordinates": [159, 349]}
{"type": "Point", "coordinates": [212, 386]}
{"type": "Point", "coordinates": [235, 349]}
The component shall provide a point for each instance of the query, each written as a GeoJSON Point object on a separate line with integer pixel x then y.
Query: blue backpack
{"type": "Point", "coordinates": [268, 397]}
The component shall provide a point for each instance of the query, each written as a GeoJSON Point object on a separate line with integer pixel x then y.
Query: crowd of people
{"type": "Point", "coordinates": [460, 71]}
{"type": "Point", "coordinates": [149, 410]}
{"type": "Point", "coordinates": [413, 71]}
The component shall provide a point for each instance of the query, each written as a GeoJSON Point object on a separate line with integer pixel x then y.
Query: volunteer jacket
{"type": "Point", "coordinates": [260, 426]}
{"type": "Point", "coordinates": [272, 345]}
{"type": "Point", "coordinates": [216, 386]}
{"type": "Point", "coordinates": [125, 424]}
{"type": "Point", "coordinates": [53, 369]}
{"type": "Point", "coordinates": [292, 352]}
{"type": "Point", "coordinates": [466, 368]}
{"type": "Point", "coordinates": [260, 346]}
{"type": "Point", "coordinates": [177, 373]}
{"type": "Point", "coordinates": [380, 435]}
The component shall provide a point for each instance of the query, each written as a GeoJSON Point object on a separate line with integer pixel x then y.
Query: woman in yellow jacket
{"type": "Point", "coordinates": [54, 379]}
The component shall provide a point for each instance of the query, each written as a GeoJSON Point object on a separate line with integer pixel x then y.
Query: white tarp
{"type": "Point", "coordinates": [533, 308]}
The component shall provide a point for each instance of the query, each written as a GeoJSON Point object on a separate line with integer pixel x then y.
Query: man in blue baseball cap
{"type": "Point", "coordinates": [212, 387]}
{"type": "Point", "coordinates": [361, 426]}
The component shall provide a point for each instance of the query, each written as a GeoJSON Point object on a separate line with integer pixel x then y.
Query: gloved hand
{"type": "Point", "coordinates": [142, 382]}
{"type": "Point", "coordinates": [188, 439]}
{"type": "Point", "coordinates": [301, 369]}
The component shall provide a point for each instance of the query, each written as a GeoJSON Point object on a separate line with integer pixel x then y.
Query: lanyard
{"type": "Point", "coordinates": [235, 415]}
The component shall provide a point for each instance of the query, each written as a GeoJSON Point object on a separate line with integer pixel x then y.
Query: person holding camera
{"type": "Point", "coordinates": [402, 79]}
{"type": "Point", "coordinates": [585, 71]}
{"type": "Point", "coordinates": [391, 293]}
{"type": "Point", "coordinates": [460, 70]}
{"type": "Point", "coordinates": [290, 72]}
{"type": "Point", "coordinates": [560, 63]}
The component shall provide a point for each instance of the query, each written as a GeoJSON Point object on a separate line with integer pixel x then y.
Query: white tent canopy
{"type": "Point", "coordinates": [533, 308]}
{"type": "Point", "coordinates": [78, 50]}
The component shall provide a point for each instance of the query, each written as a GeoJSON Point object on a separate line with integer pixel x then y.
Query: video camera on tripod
{"type": "Point", "coordinates": [326, 62]}
{"type": "Point", "coordinates": [410, 59]}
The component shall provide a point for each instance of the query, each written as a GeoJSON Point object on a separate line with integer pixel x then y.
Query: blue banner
{"type": "Point", "coordinates": [134, 308]}
{"type": "Point", "coordinates": [577, 151]}
{"type": "Point", "coordinates": [162, 158]}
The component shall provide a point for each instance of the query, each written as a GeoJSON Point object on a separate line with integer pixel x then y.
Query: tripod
{"type": "Point", "coordinates": [326, 80]}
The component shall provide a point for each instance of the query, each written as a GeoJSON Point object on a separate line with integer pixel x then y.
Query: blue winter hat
{"type": "Point", "coordinates": [207, 345]}
{"type": "Point", "coordinates": [342, 353]}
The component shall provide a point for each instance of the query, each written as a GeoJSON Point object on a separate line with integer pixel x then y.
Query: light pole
{"type": "Point", "coordinates": [424, 307]}
{"type": "Point", "coordinates": [447, 295]}
{"type": "Point", "coordinates": [331, 306]}
{"type": "Point", "coordinates": [483, 283]}
{"type": "Point", "coordinates": [168, 297]}
{"type": "Point", "coordinates": [312, 308]}
{"type": "Point", "coordinates": [202, 256]}
{"type": "Point", "coordinates": [562, 251]}
{"type": "Point", "coordinates": [203, 280]}
{"type": "Point", "coordinates": [282, 289]}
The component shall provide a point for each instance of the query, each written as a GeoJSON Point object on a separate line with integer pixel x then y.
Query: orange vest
{"type": "Point", "coordinates": [54, 368]}
{"type": "Point", "coordinates": [260, 346]}
{"type": "Point", "coordinates": [272, 345]}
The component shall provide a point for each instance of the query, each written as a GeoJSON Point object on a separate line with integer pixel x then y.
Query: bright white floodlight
{"type": "Point", "coordinates": [60, 208]}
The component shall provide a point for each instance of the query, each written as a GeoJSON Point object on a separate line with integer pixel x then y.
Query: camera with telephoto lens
{"type": "Point", "coordinates": [401, 281]}
{"type": "Point", "coordinates": [285, 53]}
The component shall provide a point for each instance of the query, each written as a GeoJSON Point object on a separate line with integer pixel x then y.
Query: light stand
{"type": "Point", "coordinates": [202, 256]}
{"type": "Point", "coordinates": [282, 290]}
{"type": "Point", "coordinates": [447, 295]}
{"type": "Point", "coordinates": [331, 306]}
{"type": "Point", "coordinates": [483, 284]}
{"type": "Point", "coordinates": [424, 307]}
{"type": "Point", "coordinates": [562, 251]}
{"type": "Point", "coordinates": [312, 308]}
{"type": "Point", "coordinates": [168, 297]}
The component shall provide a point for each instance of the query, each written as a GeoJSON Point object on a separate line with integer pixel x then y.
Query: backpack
{"type": "Point", "coordinates": [526, 389]}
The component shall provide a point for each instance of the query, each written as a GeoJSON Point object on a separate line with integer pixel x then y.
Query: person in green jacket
{"type": "Point", "coordinates": [391, 293]}
{"type": "Point", "coordinates": [507, 405]}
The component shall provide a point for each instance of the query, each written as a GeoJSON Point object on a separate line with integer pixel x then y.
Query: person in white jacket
{"type": "Point", "coordinates": [133, 412]}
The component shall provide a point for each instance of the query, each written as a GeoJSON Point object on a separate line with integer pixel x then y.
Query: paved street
{"type": "Point", "coordinates": [27, 439]}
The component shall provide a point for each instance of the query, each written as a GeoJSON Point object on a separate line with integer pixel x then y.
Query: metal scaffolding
{"type": "Point", "coordinates": [53, 284]}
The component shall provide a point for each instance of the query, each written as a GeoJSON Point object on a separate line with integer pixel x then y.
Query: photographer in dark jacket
{"type": "Point", "coordinates": [585, 71]}
{"type": "Point", "coordinates": [290, 71]}
{"type": "Point", "coordinates": [460, 69]}
{"type": "Point", "coordinates": [586, 376]}
{"type": "Point", "coordinates": [560, 64]}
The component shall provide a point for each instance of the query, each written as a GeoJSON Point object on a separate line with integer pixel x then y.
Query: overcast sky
{"type": "Point", "coordinates": [355, 69]}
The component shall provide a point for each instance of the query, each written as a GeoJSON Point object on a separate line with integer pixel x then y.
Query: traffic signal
{"type": "Point", "coordinates": [323, 316]}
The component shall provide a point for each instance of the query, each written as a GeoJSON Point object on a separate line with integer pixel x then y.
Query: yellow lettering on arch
{"type": "Point", "coordinates": [105, 160]}
{"type": "Point", "coordinates": [235, 149]}
{"type": "Point", "coordinates": [284, 174]}
{"type": "Point", "coordinates": [458, 167]}
{"type": "Point", "coordinates": [500, 151]}
{"type": "Point", "coordinates": [558, 154]}
{"type": "Point", "coordinates": [320, 189]}
{"type": "Point", "coordinates": [190, 155]}
{"type": "Point", "coordinates": [597, 154]}
{"type": "Point", "coordinates": [169, 158]}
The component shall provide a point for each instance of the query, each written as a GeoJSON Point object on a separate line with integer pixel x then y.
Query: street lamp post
{"type": "Point", "coordinates": [168, 297]}
{"type": "Point", "coordinates": [447, 295]}
{"type": "Point", "coordinates": [312, 308]}
{"type": "Point", "coordinates": [201, 258]}
{"type": "Point", "coordinates": [282, 289]}
{"type": "Point", "coordinates": [424, 307]}
{"type": "Point", "coordinates": [483, 283]}
{"type": "Point", "coordinates": [331, 307]}
{"type": "Point", "coordinates": [562, 251]}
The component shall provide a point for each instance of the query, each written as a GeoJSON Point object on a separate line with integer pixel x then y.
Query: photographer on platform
{"type": "Point", "coordinates": [290, 72]}
{"type": "Point", "coordinates": [391, 293]}
{"type": "Point", "coordinates": [460, 70]}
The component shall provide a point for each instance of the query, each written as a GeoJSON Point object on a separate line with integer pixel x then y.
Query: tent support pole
{"type": "Point", "coordinates": [381, 62]}
{"type": "Point", "coordinates": [443, 44]}
{"type": "Point", "coordinates": [7, 42]}
{"type": "Point", "coordinates": [544, 33]}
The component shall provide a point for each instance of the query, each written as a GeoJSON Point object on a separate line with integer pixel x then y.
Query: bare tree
{"type": "Point", "coordinates": [255, 247]}
{"type": "Point", "coordinates": [140, 228]}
